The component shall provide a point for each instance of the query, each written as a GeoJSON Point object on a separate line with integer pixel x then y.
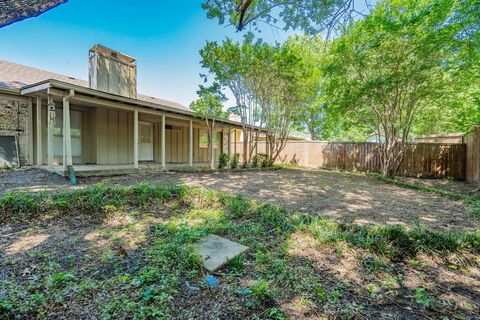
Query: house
{"type": "Point", "coordinates": [103, 124]}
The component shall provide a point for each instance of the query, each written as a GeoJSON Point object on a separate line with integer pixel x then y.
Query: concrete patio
{"type": "Point", "coordinates": [90, 170]}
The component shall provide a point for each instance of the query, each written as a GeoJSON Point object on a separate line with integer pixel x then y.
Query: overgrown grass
{"type": "Point", "coordinates": [287, 165]}
{"type": "Point", "coordinates": [150, 283]}
{"type": "Point", "coordinates": [388, 240]}
{"type": "Point", "coordinates": [20, 206]}
{"type": "Point", "coordinates": [472, 200]}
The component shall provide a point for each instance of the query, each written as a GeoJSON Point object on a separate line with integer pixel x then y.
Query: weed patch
{"type": "Point", "coordinates": [96, 274]}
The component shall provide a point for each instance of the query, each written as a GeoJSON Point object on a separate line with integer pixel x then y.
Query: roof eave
{"type": "Point", "coordinates": [9, 90]}
{"type": "Point", "coordinates": [53, 83]}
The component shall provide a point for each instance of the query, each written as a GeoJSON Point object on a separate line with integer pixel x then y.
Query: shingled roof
{"type": "Point", "coordinates": [16, 10]}
{"type": "Point", "coordinates": [16, 76]}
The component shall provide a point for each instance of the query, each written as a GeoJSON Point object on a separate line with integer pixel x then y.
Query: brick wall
{"type": "Point", "coordinates": [15, 117]}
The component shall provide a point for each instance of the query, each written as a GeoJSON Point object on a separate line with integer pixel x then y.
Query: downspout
{"type": "Point", "coordinates": [71, 171]}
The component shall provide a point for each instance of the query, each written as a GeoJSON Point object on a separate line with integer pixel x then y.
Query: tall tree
{"type": "Point", "coordinates": [310, 115]}
{"type": "Point", "coordinates": [209, 106]}
{"type": "Point", "coordinates": [388, 68]}
{"type": "Point", "coordinates": [232, 65]}
{"type": "Point", "coordinates": [281, 77]}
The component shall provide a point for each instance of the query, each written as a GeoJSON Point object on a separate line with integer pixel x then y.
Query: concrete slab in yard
{"type": "Point", "coordinates": [215, 251]}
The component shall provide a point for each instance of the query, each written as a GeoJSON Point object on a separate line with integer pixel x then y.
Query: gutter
{"type": "Point", "coordinates": [10, 91]}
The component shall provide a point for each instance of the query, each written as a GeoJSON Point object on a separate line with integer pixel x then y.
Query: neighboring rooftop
{"type": "Point", "coordinates": [16, 76]}
{"type": "Point", "coordinates": [16, 10]}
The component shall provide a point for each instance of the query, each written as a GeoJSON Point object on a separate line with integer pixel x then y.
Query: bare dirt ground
{"type": "Point", "coordinates": [347, 197]}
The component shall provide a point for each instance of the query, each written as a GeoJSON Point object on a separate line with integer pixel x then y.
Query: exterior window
{"type": "Point", "coordinates": [75, 132]}
{"type": "Point", "coordinates": [203, 139]}
{"type": "Point", "coordinates": [145, 134]}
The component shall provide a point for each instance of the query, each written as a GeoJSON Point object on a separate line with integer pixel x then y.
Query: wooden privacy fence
{"type": "Point", "coordinates": [421, 159]}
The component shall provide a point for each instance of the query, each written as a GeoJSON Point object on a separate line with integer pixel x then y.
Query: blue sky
{"type": "Point", "coordinates": [164, 36]}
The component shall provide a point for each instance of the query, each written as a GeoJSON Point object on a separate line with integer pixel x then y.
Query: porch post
{"type": "Point", "coordinates": [234, 140]}
{"type": "Point", "coordinates": [135, 139]}
{"type": "Point", "coordinates": [212, 151]}
{"type": "Point", "coordinates": [229, 147]}
{"type": "Point", "coordinates": [51, 124]}
{"type": "Point", "coordinates": [67, 136]}
{"type": "Point", "coordinates": [266, 146]}
{"type": "Point", "coordinates": [39, 132]}
{"type": "Point", "coordinates": [190, 144]}
{"type": "Point", "coordinates": [256, 142]}
{"type": "Point", "coordinates": [163, 143]}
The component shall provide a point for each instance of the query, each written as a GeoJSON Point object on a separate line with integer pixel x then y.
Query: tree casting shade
{"type": "Point", "coordinates": [12, 11]}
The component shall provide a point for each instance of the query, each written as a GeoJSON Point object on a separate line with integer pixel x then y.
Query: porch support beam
{"type": "Point", "coordinates": [190, 144]}
{"type": "Point", "coordinates": [67, 137]}
{"type": "Point", "coordinates": [51, 124]}
{"type": "Point", "coordinates": [135, 139]}
{"type": "Point", "coordinates": [39, 132]}
{"type": "Point", "coordinates": [256, 142]}
{"type": "Point", "coordinates": [212, 151]}
{"type": "Point", "coordinates": [163, 143]}
{"type": "Point", "coordinates": [229, 139]}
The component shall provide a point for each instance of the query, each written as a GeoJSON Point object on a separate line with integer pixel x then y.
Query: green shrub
{"type": "Point", "coordinates": [275, 217]}
{"type": "Point", "coordinates": [234, 161]}
{"type": "Point", "coordinates": [262, 292]}
{"type": "Point", "coordinates": [237, 205]}
{"type": "Point", "coordinates": [222, 160]}
{"type": "Point", "coordinates": [260, 160]}
{"type": "Point", "coordinates": [255, 162]}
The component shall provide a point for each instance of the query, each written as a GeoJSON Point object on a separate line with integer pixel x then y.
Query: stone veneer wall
{"type": "Point", "coordinates": [15, 119]}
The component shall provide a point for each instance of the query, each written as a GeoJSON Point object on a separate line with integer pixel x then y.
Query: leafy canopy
{"type": "Point", "coordinates": [311, 16]}
{"type": "Point", "coordinates": [210, 103]}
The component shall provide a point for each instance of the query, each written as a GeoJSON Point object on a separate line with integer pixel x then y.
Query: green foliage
{"type": "Point", "coordinates": [310, 117]}
{"type": "Point", "coordinates": [269, 84]}
{"type": "Point", "coordinates": [145, 283]}
{"type": "Point", "coordinates": [262, 292]}
{"type": "Point", "coordinates": [260, 160]}
{"type": "Point", "coordinates": [422, 298]}
{"type": "Point", "coordinates": [210, 107]}
{"type": "Point", "coordinates": [92, 201]}
{"type": "Point", "coordinates": [234, 161]}
{"type": "Point", "coordinates": [384, 71]}
{"type": "Point", "coordinates": [223, 160]}
{"type": "Point", "coordinates": [393, 241]}
{"type": "Point", "coordinates": [275, 218]}
{"type": "Point", "coordinates": [237, 205]}
{"type": "Point", "coordinates": [417, 53]}
{"type": "Point", "coordinates": [60, 279]}
{"type": "Point", "coordinates": [311, 16]}
{"type": "Point", "coordinates": [210, 103]}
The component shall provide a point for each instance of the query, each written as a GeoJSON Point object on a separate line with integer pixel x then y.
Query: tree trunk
{"type": "Point", "coordinates": [212, 149]}
{"type": "Point", "coordinates": [391, 157]}
{"type": "Point", "coordinates": [245, 148]}
{"type": "Point", "coordinates": [313, 135]}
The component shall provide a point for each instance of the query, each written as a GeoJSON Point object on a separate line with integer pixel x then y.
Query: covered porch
{"type": "Point", "coordinates": [98, 133]}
